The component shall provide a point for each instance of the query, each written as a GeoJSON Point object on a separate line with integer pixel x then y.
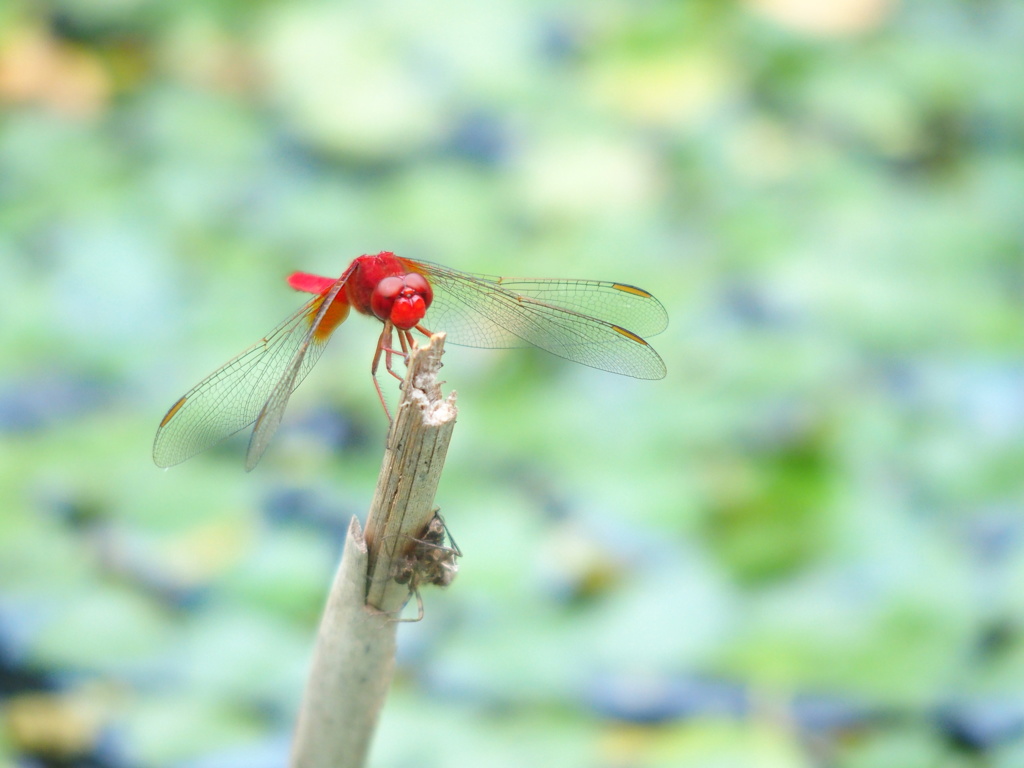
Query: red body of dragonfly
{"type": "Point", "coordinates": [600, 324]}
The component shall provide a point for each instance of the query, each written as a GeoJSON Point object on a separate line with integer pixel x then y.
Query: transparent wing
{"type": "Point", "coordinates": [254, 386]}
{"type": "Point", "coordinates": [594, 323]}
{"type": "Point", "coordinates": [617, 303]}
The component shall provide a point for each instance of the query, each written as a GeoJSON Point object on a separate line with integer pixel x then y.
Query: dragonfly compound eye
{"type": "Point", "coordinates": [384, 295]}
{"type": "Point", "coordinates": [418, 283]}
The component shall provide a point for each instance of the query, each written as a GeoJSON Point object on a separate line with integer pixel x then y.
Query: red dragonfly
{"type": "Point", "coordinates": [600, 324]}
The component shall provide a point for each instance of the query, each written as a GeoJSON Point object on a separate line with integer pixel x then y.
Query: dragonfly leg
{"type": "Point", "coordinates": [386, 347]}
{"type": "Point", "coordinates": [406, 340]}
{"type": "Point", "coordinates": [383, 347]}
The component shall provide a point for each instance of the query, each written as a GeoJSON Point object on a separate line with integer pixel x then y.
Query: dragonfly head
{"type": "Point", "coordinates": [402, 299]}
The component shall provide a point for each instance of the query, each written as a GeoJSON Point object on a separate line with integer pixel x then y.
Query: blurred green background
{"type": "Point", "coordinates": [804, 547]}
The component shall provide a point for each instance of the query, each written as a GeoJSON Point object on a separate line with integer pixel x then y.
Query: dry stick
{"type": "Point", "coordinates": [355, 649]}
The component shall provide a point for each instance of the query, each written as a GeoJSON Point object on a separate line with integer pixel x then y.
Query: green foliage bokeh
{"type": "Point", "coordinates": [821, 502]}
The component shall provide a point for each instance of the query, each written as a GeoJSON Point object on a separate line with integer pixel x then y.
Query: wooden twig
{"type": "Point", "coordinates": [404, 501]}
{"type": "Point", "coordinates": [353, 660]}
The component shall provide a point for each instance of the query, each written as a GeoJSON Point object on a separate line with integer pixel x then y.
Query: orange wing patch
{"type": "Point", "coordinates": [630, 335]}
{"type": "Point", "coordinates": [632, 289]}
{"type": "Point", "coordinates": [335, 316]}
{"type": "Point", "coordinates": [174, 409]}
